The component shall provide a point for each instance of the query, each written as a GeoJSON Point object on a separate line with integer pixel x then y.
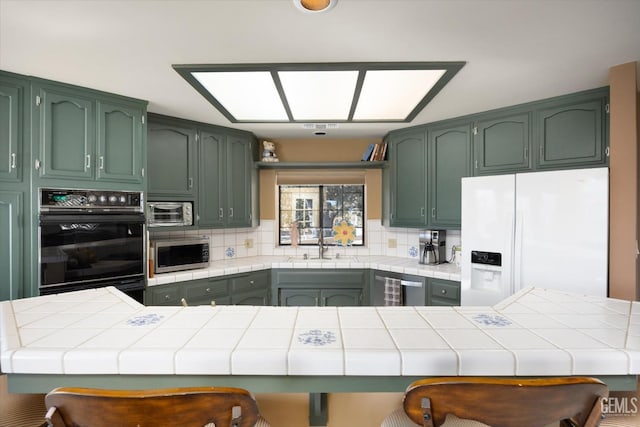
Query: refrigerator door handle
{"type": "Point", "coordinates": [518, 250]}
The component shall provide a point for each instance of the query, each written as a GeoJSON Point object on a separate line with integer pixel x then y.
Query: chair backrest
{"type": "Point", "coordinates": [506, 402]}
{"type": "Point", "coordinates": [185, 407]}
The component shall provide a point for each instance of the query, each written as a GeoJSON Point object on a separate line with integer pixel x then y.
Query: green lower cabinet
{"type": "Point", "coordinates": [239, 289]}
{"type": "Point", "coordinates": [164, 294]}
{"type": "Point", "coordinates": [322, 297]}
{"type": "Point", "coordinates": [340, 297]}
{"type": "Point", "coordinates": [319, 288]}
{"type": "Point", "coordinates": [11, 212]}
{"type": "Point", "coordinates": [251, 288]}
{"type": "Point", "coordinates": [207, 291]}
{"type": "Point", "coordinates": [443, 292]}
{"type": "Point", "coordinates": [299, 297]}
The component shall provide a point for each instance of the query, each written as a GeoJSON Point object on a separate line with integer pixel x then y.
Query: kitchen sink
{"type": "Point", "coordinates": [340, 258]}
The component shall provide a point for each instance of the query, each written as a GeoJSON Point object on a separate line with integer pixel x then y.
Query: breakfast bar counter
{"type": "Point", "coordinates": [102, 338]}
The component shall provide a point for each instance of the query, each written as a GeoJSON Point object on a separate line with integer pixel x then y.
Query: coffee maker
{"type": "Point", "coordinates": [432, 246]}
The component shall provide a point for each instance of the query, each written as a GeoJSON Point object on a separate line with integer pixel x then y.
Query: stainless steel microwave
{"type": "Point", "coordinates": [169, 214]}
{"type": "Point", "coordinates": [180, 254]}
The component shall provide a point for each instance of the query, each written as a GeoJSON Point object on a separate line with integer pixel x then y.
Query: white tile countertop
{"type": "Point", "coordinates": [535, 332]}
{"type": "Point", "coordinates": [244, 265]}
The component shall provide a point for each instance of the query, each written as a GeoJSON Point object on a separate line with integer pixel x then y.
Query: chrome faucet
{"type": "Point", "coordinates": [321, 247]}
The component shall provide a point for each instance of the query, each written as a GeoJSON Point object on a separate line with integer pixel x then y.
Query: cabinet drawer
{"type": "Point", "coordinates": [442, 290]}
{"type": "Point", "coordinates": [207, 288]}
{"type": "Point", "coordinates": [259, 280]}
{"type": "Point", "coordinates": [166, 296]}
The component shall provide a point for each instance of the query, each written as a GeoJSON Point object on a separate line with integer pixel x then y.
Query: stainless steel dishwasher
{"type": "Point", "coordinates": [412, 288]}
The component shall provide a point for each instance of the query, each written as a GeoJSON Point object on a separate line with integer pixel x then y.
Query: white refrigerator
{"type": "Point", "coordinates": [542, 229]}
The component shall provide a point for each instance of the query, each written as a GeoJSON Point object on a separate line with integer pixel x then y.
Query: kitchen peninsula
{"type": "Point", "coordinates": [103, 338]}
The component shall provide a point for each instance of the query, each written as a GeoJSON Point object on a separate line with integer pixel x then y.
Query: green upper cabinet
{"type": "Point", "coordinates": [12, 92]}
{"type": "Point", "coordinates": [120, 143]}
{"type": "Point", "coordinates": [449, 161]}
{"type": "Point", "coordinates": [226, 176]}
{"type": "Point", "coordinates": [210, 165]}
{"type": "Point", "coordinates": [211, 212]}
{"type": "Point", "coordinates": [66, 134]}
{"type": "Point", "coordinates": [571, 132]}
{"type": "Point", "coordinates": [240, 177]}
{"type": "Point", "coordinates": [407, 179]}
{"type": "Point", "coordinates": [171, 161]}
{"type": "Point", "coordinates": [87, 135]}
{"type": "Point", "coordinates": [502, 144]}
{"type": "Point", "coordinates": [11, 213]}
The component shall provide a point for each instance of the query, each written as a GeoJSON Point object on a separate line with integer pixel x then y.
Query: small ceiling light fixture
{"type": "Point", "coordinates": [315, 6]}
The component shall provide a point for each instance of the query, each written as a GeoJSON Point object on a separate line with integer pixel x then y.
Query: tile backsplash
{"type": "Point", "coordinates": [262, 241]}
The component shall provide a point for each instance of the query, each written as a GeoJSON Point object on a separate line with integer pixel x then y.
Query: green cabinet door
{"type": "Point", "coordinates": [258, 297]}
{"type": "Point", "coordinates": [571, 134]}
{"type": "Point", "coordinates": [407, 180]}
{"type": "Point", "coordinates": [11, 128]}
{"type": "Point", "coordinates": [502, 144]}
{"type": "Point", "coordinates": [120, 140]}
{"type": "Point", "coordinates": [291, 297]}
{"type": "Point", "coordinates": [170, 161]}
{"type": "Point", "coordinates": [211, 166]}
{"type": "Point", "coordinates": [238, 181]}
{"type": "Point", "coordinates": [66, 132]}
{"type": "Point", "coordinates": [340, 297]}
{"type": "Point", "coordinates": [443, 292]}
{"type": "Point", "coordinates": [449, 161]}
{"type": "Point", "coordinates": [10, 244]}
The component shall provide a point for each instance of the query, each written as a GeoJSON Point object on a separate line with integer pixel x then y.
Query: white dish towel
{"type": "Point", "coordinates": [392, 292]}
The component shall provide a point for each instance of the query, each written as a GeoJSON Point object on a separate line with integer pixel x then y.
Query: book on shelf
{"type": "Point", "coordinates": [375, 153]}
{"type": "Point", "coordinates": [367, 152]}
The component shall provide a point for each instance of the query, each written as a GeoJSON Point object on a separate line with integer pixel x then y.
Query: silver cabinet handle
{"type": "Point", "coordinates": [542, 152]}
{"type": "Point", "coordinates": [526, 153]}
{"type": "Point", "coordinates": [444, 292]}
{"type": "Point", "coordinates": [221, 213]}
{"type": "Point", "coordinates": [208, 290]}
{"type": "Point", "coordinates": [190, 182]}
{"type": "Point", "coordinates": [433, 212]}
{"type": "Point", "coordinates": [230, 212]}
{"type": "Point", "coordinates": [101, 162]}
{"type": "Point", "coordinates": [88, 159]}
{"type": "Point", "coordinates": [421, 211]}
{"type": "Point", "coordinates": [13, 160]}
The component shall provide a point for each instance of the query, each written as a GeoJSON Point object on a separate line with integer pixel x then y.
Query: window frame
{"type": "Point", "coordinates": [321, 212]}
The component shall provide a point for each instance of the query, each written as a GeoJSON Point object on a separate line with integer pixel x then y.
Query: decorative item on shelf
{"type": "Point", "coordinates": [269, 152]}
{"type": "Point", "coordinates": [344, 233]}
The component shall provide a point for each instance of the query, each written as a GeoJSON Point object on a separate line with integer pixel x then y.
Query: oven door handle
{"type": "Point", "coordinates": [91, 219]}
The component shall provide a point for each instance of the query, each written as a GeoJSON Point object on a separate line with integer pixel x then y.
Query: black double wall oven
{"type": "Point", "coordinates": [90, 239]}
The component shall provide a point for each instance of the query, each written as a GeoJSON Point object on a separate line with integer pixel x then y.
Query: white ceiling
{"type": "Point", "coordinates": [516, 50]}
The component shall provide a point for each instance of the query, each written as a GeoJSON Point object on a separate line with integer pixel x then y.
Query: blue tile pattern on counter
{"type": "Point", "coordinates": [145, 319]}
{"type": "Point", "coordinates": [317, 337]}
{"type": "Point", "coordinates": [491, 320]}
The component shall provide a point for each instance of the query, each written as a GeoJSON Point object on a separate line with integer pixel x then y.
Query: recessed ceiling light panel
{"type": "Point", "coordinates": [393, 94]}
{"type": "Point", "coordinates": [324, 95]}
{"type": "Point", "coordinates": [321, 92]}
{"type": "Point", "coordinates": [247, 95]}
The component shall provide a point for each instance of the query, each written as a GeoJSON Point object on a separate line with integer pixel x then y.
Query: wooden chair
{"type": "Point", "coordinates": [501, 402]}
{"type": "Point", "coordinates": [185, 407]}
